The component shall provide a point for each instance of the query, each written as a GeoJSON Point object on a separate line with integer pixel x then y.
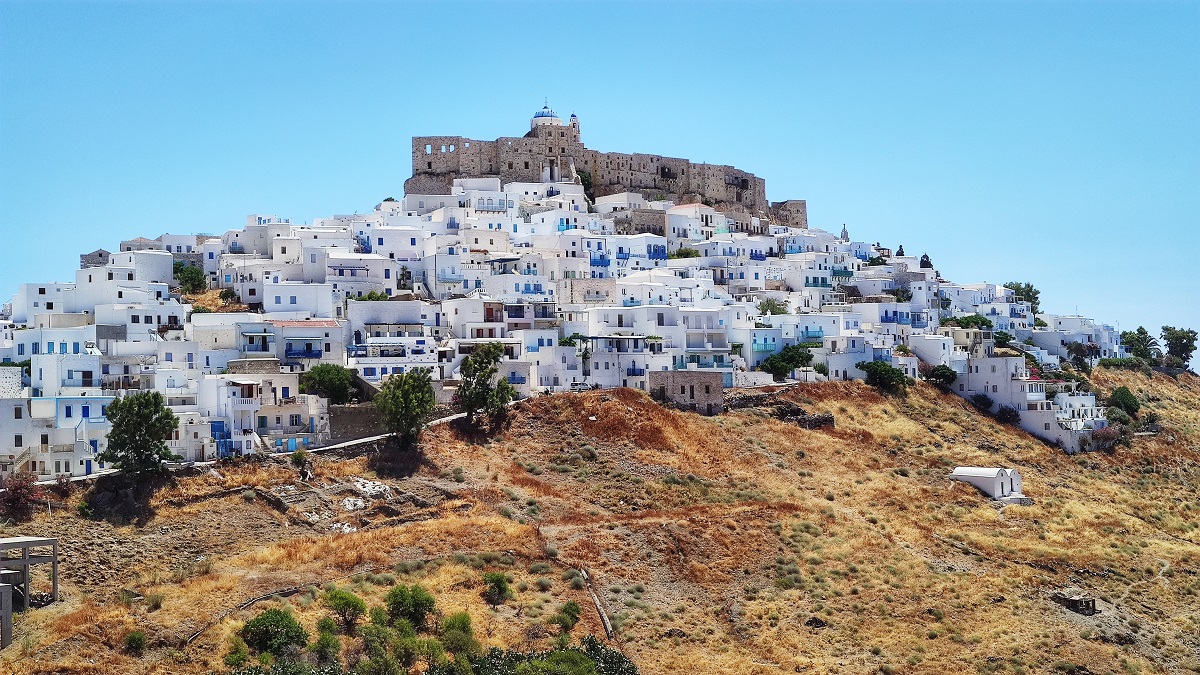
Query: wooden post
{"type": "Point", "coordinates": [54, 576]}
{"type": "Point", "coordinates": [5, 615]}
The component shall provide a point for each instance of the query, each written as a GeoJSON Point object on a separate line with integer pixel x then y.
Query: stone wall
{"type": "Point", "coordinates": [355, 420]}
{"type": "Point", "coordinates": [257, 366]}
{"type": "Point", "coordinates": [641, 221]}
{"type": "Point", "coordinates": [793, 212]}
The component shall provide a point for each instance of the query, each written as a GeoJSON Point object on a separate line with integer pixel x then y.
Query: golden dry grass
{"type": "Point", "coordinates": [712, 541]}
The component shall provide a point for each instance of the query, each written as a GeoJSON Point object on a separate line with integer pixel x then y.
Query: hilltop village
{"type": "Point", "coordinates": [591, 269]}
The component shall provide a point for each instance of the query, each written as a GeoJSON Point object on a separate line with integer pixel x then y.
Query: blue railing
{"type": "Point", "coordinates": [656, 252]}
{"type": "Point", "coordinates": [622, 255]}
{"type": "Point", "coordinates": [904, 320]}
{"type": "Point", "coordinates": [814, 334]}
{"type": "Point", "coordinates": [756, 255]}
{"type": "Point", "coordinates": [843, 273]}
{"type": "Point", "coordinates": [887, 318]}
{"type": "Point", "coordinates": [631, 302]}
{"type": "Point", "coordinates": [601, 261]}
{"type": "Point", "coordinates": [920, 323]}
{"type": "Point", "coordinates": [763, 347]}
{"type": "Point", "coordinates": [817, 284]}
{"type": "Point", "coordinates": [635, 372]}
{"type": "Point", "coordinates": [303, 353]}
{"type": "Point", "coordinates": [862, 256]}
{"type": "Point", "coordinates": [516, 379]}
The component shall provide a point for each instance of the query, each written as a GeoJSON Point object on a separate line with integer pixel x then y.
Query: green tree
{"type": "Point", "coordinates": [326, 648]}
{"type": "Point", "coordinates": [496, 590]}
{"type": "Point", "coordinates": [567, 616]}
{"type": "Point", "coordinates": [403, 402]}
{"type": "Point", "coordinates": [411, 603]}
{"type": "Point", "coordinates": [1124, 400]}
{"type": "Point", "coordinates": [274, 631]}
{"type": "Point", "coordinates": [141, 423]}
{"type": "Point", "coordinates": [968, 321]}
{"type": "Point", "coordinates": [772, 306]}
{"type": "Point", "coordinates": [941, 376]}
{"type": "Point", "coordinates": [883, 376]}
{"type": "Point", "coordinates": [684, 252]}
{"type": "Point", "coordinates": [564, 662]}
{"type": "Point", "coordinates": [788, 359]}
{"type": "Point", "coordinates": [227, 295]}
{"type": "Point", "coordinates": [457, 634]}
{"type": "Point", "coordinates": [1008, 415]}
{"type": "Point", "coordinates": [1141, 343]}
{"type": "Point", "coordinates": [191, 279]}
{"type": "Point", "coordinates": [373, 296]}
{"type": "Point", "coordinates": [1025, 292]}
{"type": "Point", "coordinates": [328, 380]}
{"type": "Point", "coordinates": [876, 260]}
{"type": "Point", "coordinates": [480, 392]}
{"type": "Point", "coordinates": [348, 607]}
{"type": "Point", "coordinates": [1181, 342]}
{"type": "Point", "coordinates": [1002, 338]}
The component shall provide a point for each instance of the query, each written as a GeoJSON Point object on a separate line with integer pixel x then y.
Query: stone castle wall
{"type": "Point", "coordinates": [555, 152]}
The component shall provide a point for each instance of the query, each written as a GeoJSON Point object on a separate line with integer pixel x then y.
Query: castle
{"type": "Point", "coordinates": [552, 152]}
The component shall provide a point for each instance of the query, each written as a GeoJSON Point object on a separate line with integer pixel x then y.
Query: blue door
{"type": "Point", "coordinates": [286, 391]}
{"type": "Point", "coordinates": [292, 444]}
{"type": "Point", "coordinates": [87, 467]}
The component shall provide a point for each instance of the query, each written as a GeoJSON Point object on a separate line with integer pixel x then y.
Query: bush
{"type": "Point", "coordinates": [1106, 437]}
{"type": "Point", "coordinates": [326, 648]}
{"type": "Point", "coordinates": [479, 391]}
{"type": "Point", "coordinates": [1002, 338]}
{"type": "Point", "coordinates": [982, 401]}
{"type": "Point", "coordinates": [1008, 415]}
{"type": "Point", "coordinates": [135, 641]}
{"type": "Point", "coordinates": [328, 380]}
{"type": "Point", "coordinates": [403, 402]}
{"type": "Point", "coordinates": [300, 458]}
{"type": "Point", "coordinates": [409, 603]}
{"type": "Point", "coordinates": [883, 377]}
{"type": "Point", "coordinates": [326, 624]}
{"type": "Point", "coordinates": [273, 631]}
{"type": "Point", "coordinates": [154, 601]}
{"type": "Point", "coordinates": [21, 496]}
{"type": "Point", "coordinates": [782, 364]}
{"type": "Point", "coordinates": [567, 616]}
{"type": "Point", "coordinates": [457, 635]}
{"type": "Point", "coordinates": [496, 590]}
{"type": "Point", "coordinates": [1125, 400]}
{"type": "Point", "coordinates": [348, 607]}
{"type": "Point", "coordinates": [191, 279]}
{"type": "Point", "coordinates": [941, 376]}
{"type": "Point", "coordinates": [238, 652]}
{"type": "Point", "coordinates": [1115, 415]}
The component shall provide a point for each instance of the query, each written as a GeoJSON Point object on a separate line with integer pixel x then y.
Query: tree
{"type": "Point", "coordinates": [876, 260]}
{"type": "Point", "coordinates": [21, 495]}
{"type": "Point", "coordinates": [968, 321]}
{"type": "Point", "coordinates": [403, 402]}
{"type": "Point", "coordinates": [457, 634]}
{"type": "Point", "coordinates": [191, 279]}
{"type": "Point", "coordinates": [685, 252]}
{"type": "Point", "coordinates": [772, 306]}
{"type": "Point", "coordinates": [790, 358]}
{"type": "Point", "coordinates": [1002, 338]}
{"type": "Point", "coordinates": [328, 380]}
{"type": "Point", "coordinates": [941, 376]}
{"type": "Point", "coordinates": [1124, 400]}
{"type": "Point", "coordinates": [373, 296]}
{"type": "Point", "coordinates": [348, 607]}
{"type": "Point", "coordinates": [274, 631]}
{"type": "Point", "coordinates": [496, 589]}
{"type": "Point", "coordinates": [480, 390]}
{"type": "Point", "coordinates": [567, 616]}
{"type": "Point", "coordinates": [227, 295]}
{"type": "Point", "coordinates": [1025, 292]}
{"type": "Point", "coordinates": [1008, 415]}
{"type": "Point", "coordinates": [883, 376]}
{"type": "Point", "coordinates": [1181, 342]}
{"type": "Point", "coordinates": [141, 423]}
{"type": "Point", "coordinates": [411, 603]}
{"type": "Point", "coordinates": [982, 401]}
{"type": "Point", "coordinates": [1141, 343]}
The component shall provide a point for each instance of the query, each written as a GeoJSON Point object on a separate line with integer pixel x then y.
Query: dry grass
{"type": "Point", "coordinates": [712, 541]}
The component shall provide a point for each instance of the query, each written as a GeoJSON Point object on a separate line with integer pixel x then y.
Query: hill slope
{"type": "Point", "coordinates": [738, 543]}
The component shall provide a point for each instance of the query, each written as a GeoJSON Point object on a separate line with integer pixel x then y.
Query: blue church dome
{"type": "Point", "coordinates": [545, 112]}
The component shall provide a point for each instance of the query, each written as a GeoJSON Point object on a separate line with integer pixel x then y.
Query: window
{"type": "Point", "coordinates": [17, 412]}
{"type": "Point", "coordinates": [74, 347]}
{"type": "Point", "coordinates": [135, 319]}
{"type": "Point", "coordinates": [18, 441]}
{"type": "Point", "coordinates": [68, 412]}
{"type": "Point", "coordinates": [252, 292]}
{"type": "Point", "coordinates": [283, 250]}
{"type": "Point", "coordinates": [292, 300]}
{"type": "Point", "coordinates": [278, 300]}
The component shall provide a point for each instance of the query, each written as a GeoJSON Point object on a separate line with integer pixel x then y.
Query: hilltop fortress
{"type": "Point", "coordinates": [552, 152]}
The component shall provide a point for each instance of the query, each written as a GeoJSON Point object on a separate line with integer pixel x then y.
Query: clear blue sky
{"type": "Point", "coordinates": [1057, 143]}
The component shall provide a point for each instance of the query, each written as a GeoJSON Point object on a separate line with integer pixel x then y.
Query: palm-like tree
{"type": "Point", "coordinates": [1141, 343]}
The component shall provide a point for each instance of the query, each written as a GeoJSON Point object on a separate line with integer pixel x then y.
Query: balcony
{"type": "Point", "coordinates": [237, 248]}
{"type": "Point", "coordinates": [516, 379]}
{"type": "Point", "coordinates": [806, 334]}
{"type": "Point", "coordinates": [887, 318]}
{"type": "Point", "coordinates": [303, 353]}
{"type": "Point", "coordinates": [450, 278]}
{"type": "Point", "coordinates": [757, 255]}
{"type": "Point", "coordinates": [817, 284]}
{"type": "Point", "coordinates": [635, 372]}
{"type": "Point", "coordinates": [601, 261]}
{"type": "Point", "coordinates": [763, 347]}
{"type": "Point", "coordinates": [844, 274]}
{"type": "Point", "coordinates": [495, 208]}
{"type": "Point", "coordinates": [631, 302]}
{"type": "Point", "coordinates": [904, 320]}
{"type": "Point", "coordinates": [920, 323]}
{"type": "Point", "coordinates": [657, 253]}
{"type": "Point", "coordinates": [622, 255]}
{"type": "Point", "coordinates": [238, 403]}
{"type": "Point", "coordinates": [532, 349]}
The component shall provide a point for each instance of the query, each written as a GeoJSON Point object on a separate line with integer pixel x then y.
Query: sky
{"type": "Point", "coordinates": [1050, 142]}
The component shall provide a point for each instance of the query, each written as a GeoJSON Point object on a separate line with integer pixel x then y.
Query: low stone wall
{"type": "Point", "coordinates": [354, 420]}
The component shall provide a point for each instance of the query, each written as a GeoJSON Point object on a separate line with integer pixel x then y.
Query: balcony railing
{"type": "Point", "coordinates": [845, 274]}
{"type": "Point", "coordinates": [631, 302]}
{"type": "Point", "coordinates": [622, 255]}
{"type": "Point", "coordinates": [450, 278]}
{"type": "Point", "coordinates": [635, 372]}
{"type": "Point", "coordinates": [516, 379]}
{"type": "Point", "coordinates": [303, 353]}
{"type": "Point", "coordinates": [903, 320]}
{"type": "Point", "coordinates": [601, 261]}
{"type": "Point", "coordinates": [812, 334]}
{"type": "Point", "coordinates": [480, 206]}
{"type": "Point", "coordinates": [755, 255]}
{"type": "Point", "coordinates": [920, 323]}
{"type": "Point", "coordinates": [763, 347]}
{"type": "Point", "coordinates": [817, 284]}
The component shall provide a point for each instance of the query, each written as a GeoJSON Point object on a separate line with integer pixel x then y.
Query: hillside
{"type": "Point", "coordinates": [732, 544]}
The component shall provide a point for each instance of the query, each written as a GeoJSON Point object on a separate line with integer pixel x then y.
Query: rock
{"type": "Point", "coordinates": [674, 633]}
{"type": "Point", "coordinates": [816, 622]}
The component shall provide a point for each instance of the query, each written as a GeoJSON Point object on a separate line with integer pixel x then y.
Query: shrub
{"type": "Point", "coordinates": [21, 495]}
{"type": "Point", "coordinates": [982, 401]}
{"type": "Point", "coordinates": [238, 653]}
{"type": "Point", "coordinates": [409, 603]}
{"type": "Point", "coordinates": [567, 616]}
{"type": "Point", "coordinates": [326, 624]}
{"type": "Point", "coordinates": [1125, 400]}
{"type": "Point", "coordinates": [403, 402]}
{"type": "Point", "coordinates": [1008, 415]}
{"type": "Point", "coordinates": [1106, 437]}
{"type": "Point", "coordinates": [496, 590]}
{"type": "Point", "coordinates": [348, 607]}
{"type": "Point", "coordinates": [479, 391]}
{"type": "Point", "coordinates": [154, 601]}
{"type": "Point", "coordinates": [300, 458]}
{"type": "Point", "coordinates": [135, 641]}
{"type": "Point", "coordinates": [326, 647]}
{"type": "Point", "coordinates": [273, 631]}
{"type": "Point", "coordinates": [1002, 338]}
{"type": "Point", "coordinates": [457, 635]}
{"type": "Point", "coordinates": [328, 380]}
{"type": "Point", "coordinates": [883, 377]}
{"type": "Point", "coordinates": [941, 376]}
{"type": "Point", "coordinates": [1117, 416]}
